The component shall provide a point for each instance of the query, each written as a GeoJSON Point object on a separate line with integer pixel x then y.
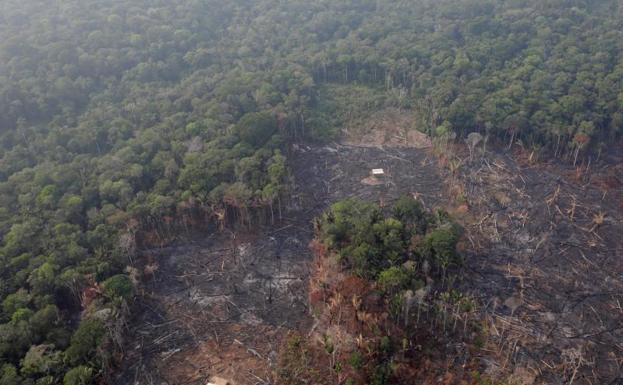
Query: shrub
{"type": "Point", "coordinates": [118, 286]}
{"type": "Point", "coordinates": [412, 214]}
{"type": "Point", "coordinates": [256, 128]}
{"type": "Point", "coordinates": [394, 279]}
{"type": "Point", "coordinates": [41, 359]}
{"type": "Point", "coordinates": [364, 259]}
{"type": "Point", "coordinates": [349, 221]}
{"type": "Point", "coordinates": [80, 375]}
{"type": "Point", "coordinates": [22, 314]}
{"type": "Point", "coordinates": [9, 375]}
{"type": "Point", "coordinates": [439, 246]}
{"type": "Point", "coordinates": [391, 239]}
{"type": "Point", "coordinates": [356, 360]}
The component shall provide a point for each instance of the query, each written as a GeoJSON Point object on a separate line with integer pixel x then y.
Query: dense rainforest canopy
{"type": "Point", "coordinates": [116, 115]}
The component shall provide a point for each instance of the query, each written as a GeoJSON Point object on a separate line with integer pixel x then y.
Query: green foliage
{"type": "Point", "coordinates": [15, 339]}
{"type": "Point", "coordinates": [43, 279]}
{"type": "Point", "coordinates": [356, 360]}
{"type": "Point", "coordinates": [9, 375]}
{"type": "Point", "coordinates": [346, 106]}
{"type": "Point", "coordinates": [85, 341]}
{"type": "Point", "coordinates": [365, 259]}
{"type": "Point", "coordinates": [349, 221]}
{"type": "Point", "coordinates": [295, 367]}
{"type": "Point", "coordinates": [256, 128]}
{"type": "Point", "coordinates": [382, 374]}
{"type": "Point", "coordinates": [118, 287]}
{"type": "Point", "coordinates": [130, 111]}
{"type": "Point", "coordinates": [46, 380]}
{"type": "Point", "coordinates": [385, 346]}
{"type": "Point", "coordinates": [80, 375]}
{"type": "Point", "coordinates": [41, 360]}
{"type": "Point", "coordinates": [383, 368]}
{"type": "Point", "coordinates": [14, 301]}
{"type": "Point", "coordinates": [394, 279]}
{"type": "Point", "coordinates": [22, 314]}
{"type": "Point", "coordinates": [380, 247]}
{"type": "Point", "coordinates": [376, 247]}
{"type": "Point", "coordinates": [390, 236]}
{"type": "Point", "coordinates": [439, 246]}
{"type": "Point", "coordinates": [44, 320]}
{"type": "Point", "coordinates": [412, 214]}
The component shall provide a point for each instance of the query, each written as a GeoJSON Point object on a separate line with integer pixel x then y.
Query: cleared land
{"type": "Point", "coordinates": [543, 258]}
{"type": "Point", "coordinates": [546, 263]}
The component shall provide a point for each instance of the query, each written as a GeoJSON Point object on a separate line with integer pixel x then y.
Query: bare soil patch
{"type": "Point", "coordinates": [391, 128]}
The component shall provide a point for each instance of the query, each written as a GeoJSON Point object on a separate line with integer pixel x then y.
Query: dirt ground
{"type": "Point", "coordinates": [220, 305]}
{"type": "Point", "coordinates": [544, 261]}
{"type": "Point", "coordinates": [389, 128]}
{"type": "Point", "coordinates": [327, 174]}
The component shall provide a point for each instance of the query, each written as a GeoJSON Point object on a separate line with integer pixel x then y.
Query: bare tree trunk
{"type": "Point", "coordinates": [510, 144]}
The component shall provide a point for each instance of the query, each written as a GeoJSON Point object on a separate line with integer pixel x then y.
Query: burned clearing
{"type": "Point", "coordinates": [546, 263]}
{"type": "Point", "coordinates": [221, 304]}
{"type": "Point", "coordinates": [543, 258]}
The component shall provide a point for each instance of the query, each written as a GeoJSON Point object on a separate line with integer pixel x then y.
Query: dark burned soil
{"type": "Point", "coordinates": [544, 262]}
{"type": "Point", "coordinates": [221, 304]}
{"type": "Point", "coordinates": [547, 265]}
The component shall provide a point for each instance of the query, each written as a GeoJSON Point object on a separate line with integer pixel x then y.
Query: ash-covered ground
{"type": "Point", "coordinates": [544, 259]}
{"type": "Point", "coordinates": [547, 265]}
{"type": "Point", "coordinates": [220, 305]}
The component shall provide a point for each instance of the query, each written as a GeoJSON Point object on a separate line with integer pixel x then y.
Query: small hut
{"type": "Point", "coordinates": [376, 177]}
{"type": "Point", "coordinates": [378, 173]}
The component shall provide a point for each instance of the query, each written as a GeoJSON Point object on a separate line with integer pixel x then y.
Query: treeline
{"type": "Point", "coordinates": [547, 74]}
{"type": "Point", "coordinates": [120, 115]}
